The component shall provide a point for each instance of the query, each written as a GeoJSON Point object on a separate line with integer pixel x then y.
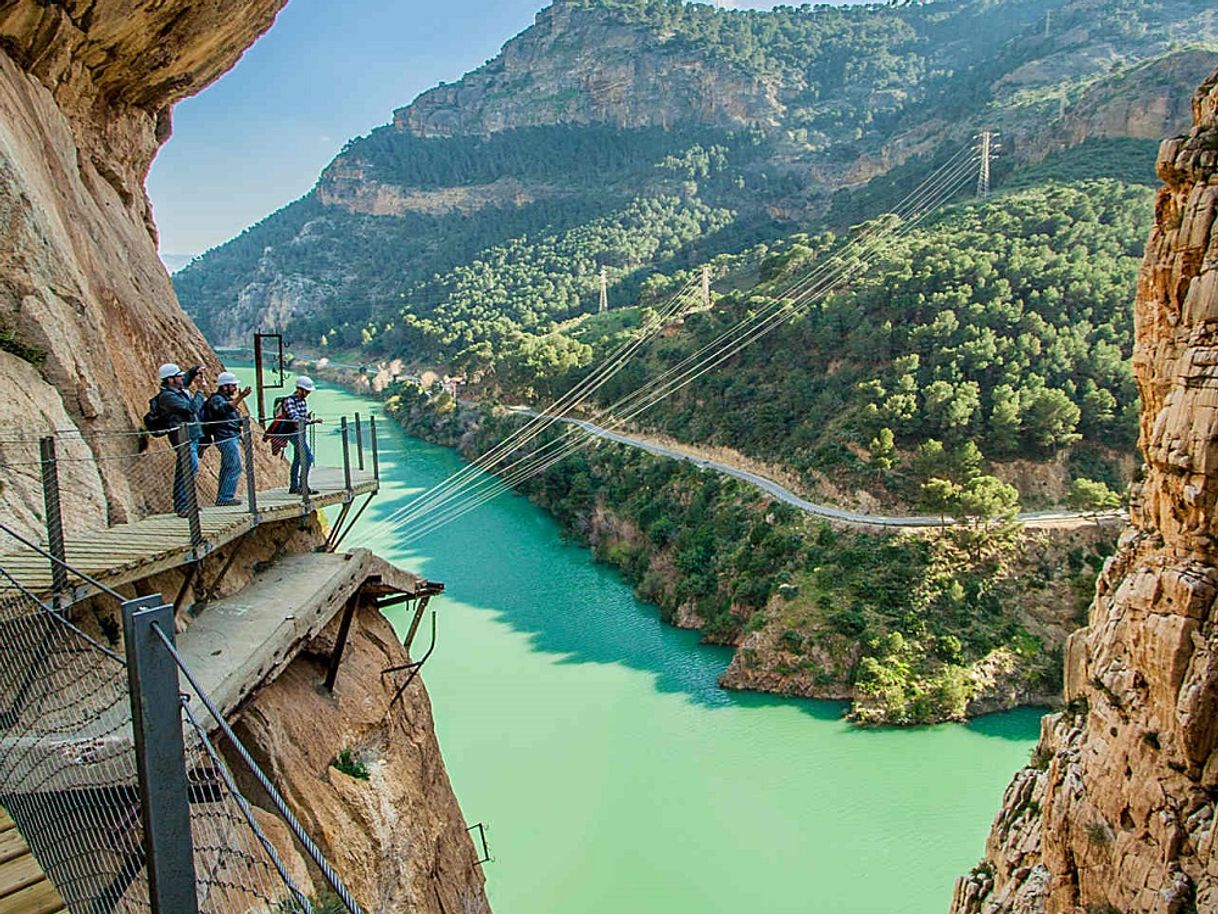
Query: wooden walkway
{"type": "Point", "coordinates": [130, 552]}
{"type": "Point", "coordinates": [23, 887]}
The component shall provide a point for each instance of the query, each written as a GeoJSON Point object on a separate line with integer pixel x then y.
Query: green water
{"type": "Point", "coordinates": [612, 773]}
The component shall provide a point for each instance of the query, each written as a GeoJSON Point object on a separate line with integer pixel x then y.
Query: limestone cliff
{"type": "Point", "coordinates": [1117, 811]}
{"type": "Point", "coordinates": [86, 91]}
{"type": "Point", "coordinates": [632, 80]}
{"type": "Point", "coordinates": [87, 312]}
{"type": "Point", "coordinates": [399, 837]}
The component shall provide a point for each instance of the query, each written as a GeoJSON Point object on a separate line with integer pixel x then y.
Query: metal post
{"type": "Point", "coordinates": [359, 442]}
{"type": "Point", "coordinates": [344, 630]}
{"type": "Point", "coordinates": [180, 438]}
{"type": "Point", "coordinates": [54, 516]}
{"type": "Point", "coordinates": [346, 460]}
{"type": "Point", "coordinates": [302, 454]}
{"type": "Point", "coordinates": [376, 457]}
{"type": "Point", "coordinates": [258, 378]}
{"type": "Point", "coordinates": [251, 484]}
{"type": "Point", "coordinates": [160, 756]}
{"type": "Point", "coordinates": [419, 610]}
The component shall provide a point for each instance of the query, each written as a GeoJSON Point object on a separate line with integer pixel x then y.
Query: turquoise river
{"type": "Point", "coordinates": [614, 775]}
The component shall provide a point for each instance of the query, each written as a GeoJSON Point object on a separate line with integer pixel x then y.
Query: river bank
{"type": "Point", "coordinates": [908, 628]}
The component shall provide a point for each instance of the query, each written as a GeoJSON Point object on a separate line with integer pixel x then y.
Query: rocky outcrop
{"type": "Point", "coordinates": [398, 836]}
{"type": "Point", "coordinates": [632, 80]}
{"type": "Point", "coordinates": [1117, 812]}
{"type": "Point", "coordinates": [86, 91]}
{"type": "Point", "coordinates": [347, 185]}
{"type": "Point", "coordinates": [1147, 102]}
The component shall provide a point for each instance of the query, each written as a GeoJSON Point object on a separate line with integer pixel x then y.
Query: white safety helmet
{"type": "Point", "coordinates": [226, 378]}
{"type": "Point", "coordinates": [304, 383]}
{"type": "Point", "coordinates": [168, 370]}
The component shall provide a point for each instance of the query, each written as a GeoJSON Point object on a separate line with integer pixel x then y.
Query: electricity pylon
{"type": "Point", "coordinates": [988, 147]}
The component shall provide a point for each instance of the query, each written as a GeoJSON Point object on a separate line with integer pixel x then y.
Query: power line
{"type": "Point", "coordinates": [825, 278]}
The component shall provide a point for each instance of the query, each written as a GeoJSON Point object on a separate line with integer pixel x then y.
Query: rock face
{"type": "Point", "coordinates": [1117, 811]}
{"type": "Point", "coordinates": [85, 96]}
{"type": "Point", "coordinates": [629, 82]}
{"type": "Point", "coordinates": [87, 312]}
{"type": "Point", "coordinates": [398, 837]}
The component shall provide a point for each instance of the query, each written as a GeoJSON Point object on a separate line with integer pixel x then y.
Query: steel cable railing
{"type": "Point", "coordinates": [58, 490]}
{"type": "Point", "coordinates": [70, 780]}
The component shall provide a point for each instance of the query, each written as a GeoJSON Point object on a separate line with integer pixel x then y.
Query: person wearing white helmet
{"type": "Point", "coordinates": [175, 406]}
{"type": "Point", "coordinates": [222, 424]}
{"type": "Point", "coordinates": [295, 411]}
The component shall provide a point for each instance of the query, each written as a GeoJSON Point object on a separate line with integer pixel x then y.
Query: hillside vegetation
{"type": "Point", "coordinates": [912, 629]}
{"type": "Point", "coordinates": [1001, 329]}
{"type": "Point", "coordinates": [650, 136]}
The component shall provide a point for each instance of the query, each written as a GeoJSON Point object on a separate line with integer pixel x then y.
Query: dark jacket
{"type": "Point", "coordinates": [223, 418]}
{"type": "Point", "coordinates": [181, 406]}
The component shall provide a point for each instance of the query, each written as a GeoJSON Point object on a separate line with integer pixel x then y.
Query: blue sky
{"type": "Point", "coordinates": [258, 138]}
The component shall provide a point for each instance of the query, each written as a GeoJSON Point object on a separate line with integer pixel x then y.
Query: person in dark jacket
{"type": "Point", "coordinates": [224, 428]}
{"type": "Point", "coordinates": [181, 407]}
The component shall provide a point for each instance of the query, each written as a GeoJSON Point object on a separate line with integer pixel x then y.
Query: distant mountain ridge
{"type": "Point", "coordinates": [644, 135]}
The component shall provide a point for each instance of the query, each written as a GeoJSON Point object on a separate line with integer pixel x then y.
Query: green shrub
{"type": "Point", "coordinates": [351, 765]}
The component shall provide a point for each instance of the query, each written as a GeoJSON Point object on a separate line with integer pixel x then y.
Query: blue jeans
{"type": "Point", "coordinates": [230, 468]}
{"type": "Point", "coordinates": [297, 447]}
{"type": "Point", "coordinates": [181, 487]}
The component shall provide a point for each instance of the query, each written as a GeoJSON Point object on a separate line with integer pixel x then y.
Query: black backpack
{"type": "Point", "coordinates": [155, 420]}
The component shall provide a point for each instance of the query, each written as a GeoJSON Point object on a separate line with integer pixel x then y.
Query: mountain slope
{"type": "Point", "coordinates": [683, 130]}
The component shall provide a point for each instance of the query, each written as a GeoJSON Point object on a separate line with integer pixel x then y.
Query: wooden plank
{"type": "Point", "coordinates": [19, 873]}
{"type": "Point", "coordinates": [12, 845]}
{"type": "Point", "coordinates": [37, 899]}
{"type": "Point", "coordinates": [5, 822]}
{"type": "Point", "coordinates": [131, 551]}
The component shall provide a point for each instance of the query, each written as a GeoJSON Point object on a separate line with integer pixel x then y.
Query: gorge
{"type": "Point", "coordinates": [612, 771]}
{"type": "Point", "coordinates": [595, 743]}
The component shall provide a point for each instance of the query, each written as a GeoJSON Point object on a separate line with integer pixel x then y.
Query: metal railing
{"type": "Point", "coordinates": [120, 791]}
{"type": "Point", "coordinates": [91, 481]}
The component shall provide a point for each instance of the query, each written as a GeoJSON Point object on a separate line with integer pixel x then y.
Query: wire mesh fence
{"type": "Point", "coordinates": [69, 778]}
{"type": "Point", "coordinates": [67, 770]}
{"type": "Point", "coordinates": [110, 478]}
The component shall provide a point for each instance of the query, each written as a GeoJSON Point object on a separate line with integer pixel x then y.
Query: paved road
{"type": "Point", "coordinates": [1032, 518]}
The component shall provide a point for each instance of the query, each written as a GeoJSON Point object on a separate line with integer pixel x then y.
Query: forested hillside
{"type": "Point", "coordinates": [649, 136]}
{"type": "Point", "coordinates": [1002, 329]}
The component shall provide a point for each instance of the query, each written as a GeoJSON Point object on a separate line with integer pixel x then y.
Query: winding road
{"type": "Point", "coordinates": [1036, 519]}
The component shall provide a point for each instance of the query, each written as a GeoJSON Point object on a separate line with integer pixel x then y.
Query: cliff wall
{"type": "Point", "coordinates": [1117, 810]}
{"type": "Point", "coordinates": [398, 838]}
{"type": "Point", "coordinates": [87, 311]}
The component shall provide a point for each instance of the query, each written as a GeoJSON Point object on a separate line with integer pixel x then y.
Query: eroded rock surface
{"type": "Point", "coordinates": [1116, 813]}
{"type": "Point", "coordinates": [398, 837]}
{"type": "Point", "coordinates": [86, 91]}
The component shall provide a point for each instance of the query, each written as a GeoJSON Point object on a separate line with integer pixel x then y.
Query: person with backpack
{"type": "Point", "coordinates": [222, 426]}
{"type": "Point", "coordinates": [173, 407]}
{"type": "Point", "coordinates": [295, 414]}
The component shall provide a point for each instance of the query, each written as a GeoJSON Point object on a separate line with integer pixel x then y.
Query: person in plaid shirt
{"type": "Point", "coordinates": [295, 412]}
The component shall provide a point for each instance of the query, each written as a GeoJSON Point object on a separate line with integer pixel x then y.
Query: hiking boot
{"type": "Point", "coordinates": [228, 503]}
